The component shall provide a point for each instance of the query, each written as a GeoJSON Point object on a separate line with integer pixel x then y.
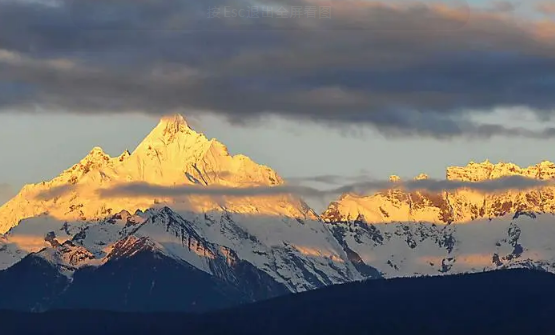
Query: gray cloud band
{"type": "Point", "coordinates": [362, 188]}
{"type": "Point", "coordinates": [405, 70]}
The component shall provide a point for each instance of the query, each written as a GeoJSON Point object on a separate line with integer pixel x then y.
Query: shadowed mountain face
{"type": "Point", "coordinates": [144, 281]}
{"type": "Point", "coordinates": [149, 281]}
{"type": "Point", "coordinates": [499, 302]}
{"type": "Point", "coordinates": [31, 284]}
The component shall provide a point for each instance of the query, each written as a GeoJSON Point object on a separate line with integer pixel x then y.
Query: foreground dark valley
{"type": "Point", "coordinates": [499, 302]}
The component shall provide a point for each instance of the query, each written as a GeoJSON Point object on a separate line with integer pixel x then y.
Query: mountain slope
{"type": "Point", "coordinates": [150, 281]}
{"type": "Point", "coordinates": [143, 280]}
{"type": "Point", "coordinates": [31, 284]}
{"type": "Point", "coordinates": [407, 249]}
{"type": "Point", "coordinates": [258, 257]}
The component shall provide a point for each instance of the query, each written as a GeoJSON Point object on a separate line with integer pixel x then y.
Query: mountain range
{"type": "Point", "coordinates": [198, 251]}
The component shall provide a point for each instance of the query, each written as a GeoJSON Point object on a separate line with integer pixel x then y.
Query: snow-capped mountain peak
{"type": "Point", "coordinates": [171, 154]}
{"type": "Point", "coordinates": [171, 145]}
{"type": "Point", "coordinates": [174, 123]}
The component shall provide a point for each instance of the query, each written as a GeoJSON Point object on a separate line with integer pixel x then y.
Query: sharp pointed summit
{"type": "Point", "coordinates": [174, 123]}
{"type": "Point", "coordinates": [176, 119]}
{"type": "Point", "coordinates": [171, 128]}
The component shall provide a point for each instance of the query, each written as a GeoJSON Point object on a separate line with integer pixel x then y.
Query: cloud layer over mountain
{"type": "Point", "coordinates": [141, 189]}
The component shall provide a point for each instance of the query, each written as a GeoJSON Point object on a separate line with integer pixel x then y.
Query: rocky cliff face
{"type": "Point", "coordinates": [450, 207]}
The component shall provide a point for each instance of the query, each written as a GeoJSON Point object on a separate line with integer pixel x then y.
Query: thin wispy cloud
{"type": "Point", "coordinates": [329, 179]}
{"type": "Point", "coordinates": [401, 68]}
{"type": "Point", "coordinates": [140, 189]}
{"type": "Point", "coordinates": [55, 192]}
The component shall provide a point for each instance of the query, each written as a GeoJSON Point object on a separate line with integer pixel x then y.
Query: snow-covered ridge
{"type": "Point", "coordinates": [487, 170]}
{"type": "Point", "coordinates": [298, 255]}
{"type": "Point", "coordinates": [458, 206]}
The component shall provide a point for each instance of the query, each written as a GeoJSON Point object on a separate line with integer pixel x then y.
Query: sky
{"type": "Point", "coordinates": [379, 88]}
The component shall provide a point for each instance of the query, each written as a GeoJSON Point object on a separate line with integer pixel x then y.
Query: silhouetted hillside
{"type": "Point", "coordinates": [145, 282]}
{"type": "Point", "coordinates": [501, 302]}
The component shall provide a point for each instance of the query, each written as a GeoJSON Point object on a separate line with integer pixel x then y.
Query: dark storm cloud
{"type": "Point", "coordinates": [405, 70]}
